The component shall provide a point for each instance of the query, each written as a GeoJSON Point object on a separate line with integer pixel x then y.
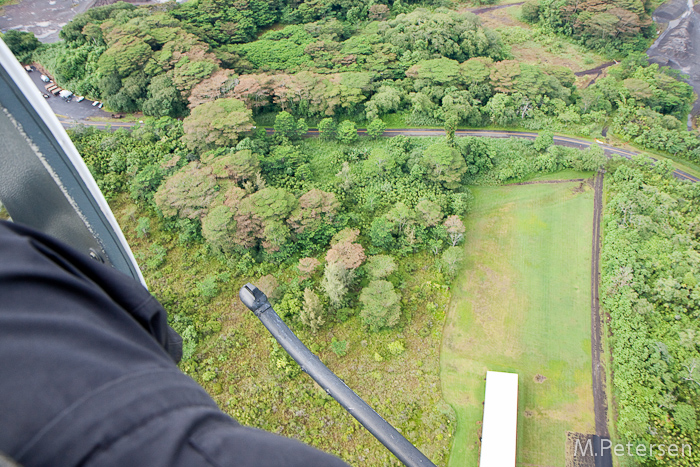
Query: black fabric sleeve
{"type": "Point", "coordinates": [88, 377]}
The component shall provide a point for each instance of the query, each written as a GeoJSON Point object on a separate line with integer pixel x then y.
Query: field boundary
{"type": "Point", "coordinates": [599, 396]}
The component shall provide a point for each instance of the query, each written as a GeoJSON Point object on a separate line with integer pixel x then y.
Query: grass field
{"type": "Point", "coordinates": [523, 305]}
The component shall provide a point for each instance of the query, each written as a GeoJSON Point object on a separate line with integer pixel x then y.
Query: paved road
{"type": "Point", "coordinates": [568, 141]}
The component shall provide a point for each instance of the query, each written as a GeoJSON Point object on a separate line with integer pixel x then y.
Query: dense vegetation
{"type": "Point", "coordinates": [411, 66]}
{"type": "Point", "coordinates": [354, 242]}
{"type": "Point", "coordinates": [651, 262]}
{"type": "Point", "coordinates": [614, 26]}
{"type": "Point", "coordinates": [356, 239]}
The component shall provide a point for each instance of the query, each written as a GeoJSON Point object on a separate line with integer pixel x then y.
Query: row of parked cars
{"type": "Point", "coordinates": [52, 88]}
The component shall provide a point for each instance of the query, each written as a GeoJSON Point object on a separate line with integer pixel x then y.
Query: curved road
{"type": "Point", "coordinates": [569, 141]}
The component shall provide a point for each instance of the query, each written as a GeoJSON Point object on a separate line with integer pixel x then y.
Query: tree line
{"type": "Point", "coordinates": [650, 267]}
{"type": "Point", "coordinates": [434, 67]}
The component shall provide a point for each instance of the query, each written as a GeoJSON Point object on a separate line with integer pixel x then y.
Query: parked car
{"type": "Point", "coordinates": [45, 78]}
{"type": "Point", "coordinates": [96, 103]}
{"type": "Point", "coordinates": [117, 115]}
{"type": "Point", "coordinates": [80, 99]}
{"type": "Point", "coordinates": [46, 96]}
{"type": "Point", "coordinates": [28, 68]}
{"type": "Point", "coordinates": [100, 106]}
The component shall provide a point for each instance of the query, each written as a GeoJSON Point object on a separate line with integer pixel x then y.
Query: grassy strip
{"type": "Point", "coordinates": [523, 305]}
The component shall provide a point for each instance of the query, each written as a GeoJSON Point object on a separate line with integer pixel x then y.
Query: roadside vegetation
{"type": "Point", "coordinates": [407, 64]}
{"type": "Point", "coordinates": [651, 263]}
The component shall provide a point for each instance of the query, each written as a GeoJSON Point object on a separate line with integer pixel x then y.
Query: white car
{"type": "Point", "coordinates": [80, 99]}
{"type": "Point", "coordinates": [96, 103]}
{"type": "Point", "coordinates": [100, 106]}
{"type": "Point", "coordinates": [45, 78]}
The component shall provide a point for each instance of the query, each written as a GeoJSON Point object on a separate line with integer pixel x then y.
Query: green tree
{"type": "Point", "coordinates": [164, 100]}
{"type": "Point", "coordinates": [217, 124]}
{"type": "Point", "coordinates": [187, 193]}
{"type": "Point", "coordinates": [380, 266]}
{"type": "Point", "coordinates": [218, 228]}
{"type": "Point", "coordinates": [445, 164]}
{"type": "Point", "coordinates": [143, 227]}
{"type": "Point", "coordinates": [312, 312]}
{"type": "Point", "coordinates": [327, 129]}
{"type": "Point", "coordinates": [543, 141]}
{"type": "Point", "coordinates": [380, 233]}
{"type": "Point", "coordinates": [429, 213]}
{"type": "Point", "coordinates": [285, 125]}
{"type": "Point", "coordinates": [455, 229]}
{"type": "Point", "coordinates": [451, 260]}
{"type": "Point", "coordinates": [22, 44]}
{"type": "Point", "coordinates": [347, 132]}
{"type": "Point", "coordinates": [380, 305]}
{"type": "Point", "coordinates": [376, 128]}
{"type": "Point", "coordinates": [450, 127]}
{"type": "Point", "coordinates": [336, 280]}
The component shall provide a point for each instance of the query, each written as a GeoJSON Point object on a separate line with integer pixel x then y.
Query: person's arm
{"type": "Point", "coordinates": [89, 375]}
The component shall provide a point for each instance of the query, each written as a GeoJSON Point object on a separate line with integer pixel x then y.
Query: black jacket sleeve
{"type": "Point", "coordinates": [88, 374]}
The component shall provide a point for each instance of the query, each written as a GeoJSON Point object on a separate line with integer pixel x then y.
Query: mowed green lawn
{"type": "Point", "coordinates": [522, 304]}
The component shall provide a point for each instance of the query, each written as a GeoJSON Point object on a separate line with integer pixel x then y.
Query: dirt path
{"type": "Point", "coordinates": [599, 398]}
{"type": "Point", "coordinates": [594, 71]}
{"type": "Point", "coordinates": [538, 182]}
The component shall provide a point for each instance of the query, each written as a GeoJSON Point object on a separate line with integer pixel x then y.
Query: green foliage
{"type": "Point", "coordinates": [346, 132]}
{"type": "Point", "coordinates": [156, 257]}
{"type": "Point", "coordinates": [451, 261]}
{"type": "Point", "coordinates": [380, 266]}
{"type": "Point", "coordinates": [380, 305]}
{"type": "Point", "coordinates": [396, 348]}
{"type": "Point", "coordinates": [445, 164]}
{"type": "Point", "coordinates": [22, 44]}
{"type": "Point", "coordinates": [288, 127]}
{"type": "Point", "coordinates": [217, 124]}
{"type": "Point", "coordinates": [376, 128]}
{"type": "Point", "coordinates": [218, 228]}
{"type": "Point", "coordinates": [143, 227]}
{"type": "Point", "coordinates": [208, 287]}
{"type": "Point", "coordinates": [312, 312]}
{"type": "Point", "coordinates": [685, 417]}
{"type": "Point", "coordinates": [340, 348]}
{"type": "Point", "coordinates": [163, 99]}
{"type": "Point", "coordinates": [458, 36]}
{"type": "Point", "coordinates": [327, 129]}
{"type": "Point", "coordinates": [543, 141]}
{"type": "Point", "coordinates": [654, 312]}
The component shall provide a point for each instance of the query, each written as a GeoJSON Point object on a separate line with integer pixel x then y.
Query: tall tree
{"type": "Point", "coordinates": [455, 229]}
{"type": "Point", "coordinates": [445, 164]}
{"type": "Point", "coordinates": [380, 305]}
{"type": "Point", "coordinates": [188, 193]}
{"type": "Point", "coordinates": [217, 124]}
{"type": "Point", "coordinates": [312, 312]}
{"type": "Point", "coordinates": [336, 280]}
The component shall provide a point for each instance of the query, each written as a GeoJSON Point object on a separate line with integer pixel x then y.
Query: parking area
{"type": "Point", "coordinates": [73, 109]}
